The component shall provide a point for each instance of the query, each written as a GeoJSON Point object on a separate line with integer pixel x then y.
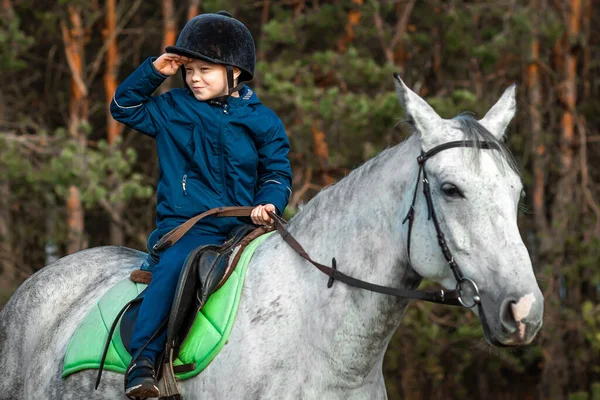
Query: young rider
{"type": "Point", "coordinates": [217, 146]}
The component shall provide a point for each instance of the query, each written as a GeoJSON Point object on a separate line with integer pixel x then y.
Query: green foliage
{"type": "Point", "coordinates": [594, 394]}
{"type": "Point", "coordinates": [591, 326]}
{"type": "Point", "coordinates": [103, 174]}
{"type": "Point", "coordinates": [596, 391]}
{"type": "Point", "coordinates": [13, 42]}
{"type": "Point", "coordinates": [579, 396]}
{"type": "Point", "coordinates": [278, 32]}
{"type": "Point", "coordinates": [460, 100]}
{"type": "Point", "coordinates": [364, 109]}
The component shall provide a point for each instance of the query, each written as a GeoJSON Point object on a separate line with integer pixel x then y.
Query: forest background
{"type": "Point", "coordinates": [72, 178]}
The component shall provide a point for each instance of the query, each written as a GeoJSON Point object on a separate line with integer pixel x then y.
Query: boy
{"type": "Point", "coordinates": [217, 146]}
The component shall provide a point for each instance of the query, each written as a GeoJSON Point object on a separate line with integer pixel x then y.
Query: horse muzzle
{"type": "Point", "coordinates": [515, 322]}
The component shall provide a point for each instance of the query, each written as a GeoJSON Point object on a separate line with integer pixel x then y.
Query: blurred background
{"type": "Point", "coordinates": [71, 177]}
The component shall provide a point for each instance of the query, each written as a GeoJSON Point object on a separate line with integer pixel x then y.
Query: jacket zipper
{"type": "Point", "coordinates": [221, 156]}
{"type": "Point", "coordinates": [183, 184]}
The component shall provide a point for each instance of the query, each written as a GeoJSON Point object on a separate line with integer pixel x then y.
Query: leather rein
{"type": "Point", "coordinates": [448, 297]}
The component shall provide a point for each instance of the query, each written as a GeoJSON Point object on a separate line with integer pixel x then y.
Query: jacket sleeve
{"type": "Point", "coordinates": [133, 103]}
{"type": "Point", "coordinates": [274, 170]}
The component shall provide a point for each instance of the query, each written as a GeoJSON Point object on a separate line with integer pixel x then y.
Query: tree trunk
{"type": "Point", "coordinates": [193, 9]}
{"type": "Point", "coordinates": [438, 71]}
{"type": "Point", "coordinates": [169, 36]}
{"type": "Point", "coordinates": [8, 272]}
{"type": "Point", "coordinates": [587, 56]}
{"type": "Point", "coordinates": [403, 13]}
{"type": "Point", "coordinates": [50, 248]}
{"type": "Point", "coordinates": [75, 239]}
{"type": "Point", "coordinates": [73, 38]}
{"type": "Point", "coordinates": [569, 89]}
{"type": "Point", "coordinates": [113, 129]}
{"type": "Point", "coordinates": [321, 152]}
{"type": "Point", "coordinates": [394, 50]}
{"type": "Point", "coordinates": [298, 8]}
{"type": "Point", "coordinates": [537, 141]}
{"type": "Point", "coordinates": [7, 8]}
{"type": "Point", "coordinates": [170, 23]}
{"type": "Point", "coordinates": [263, 21]}
{"type": "Point", "coordinates": [565, 214]}
{"type": "Point", "coordinates": [354, 16]}
{"type": "Point", "coordinates": [112, 69]}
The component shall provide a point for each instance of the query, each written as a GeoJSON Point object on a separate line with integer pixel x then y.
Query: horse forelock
{"type": "Point", "coordinates": [476, 132]}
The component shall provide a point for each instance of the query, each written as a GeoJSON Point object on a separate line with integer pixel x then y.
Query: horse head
{"type": "Point", "coordinates": [474, 195]}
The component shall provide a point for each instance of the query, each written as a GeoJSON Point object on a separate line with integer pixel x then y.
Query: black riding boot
{"type": "Point", "coordinates": [140, 379]}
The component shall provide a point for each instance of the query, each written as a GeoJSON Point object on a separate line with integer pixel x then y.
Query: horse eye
{"type": "Point", "coordinates": [450, 190]}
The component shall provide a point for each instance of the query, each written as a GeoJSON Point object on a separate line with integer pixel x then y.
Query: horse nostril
{"type": "Point", "coordinates": [507, 317]}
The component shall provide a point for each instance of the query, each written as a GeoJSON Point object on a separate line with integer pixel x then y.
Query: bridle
{"type": "Point", "coordinates": [458, 275]}
{"type": "Point", "coordinates": [450, 297]}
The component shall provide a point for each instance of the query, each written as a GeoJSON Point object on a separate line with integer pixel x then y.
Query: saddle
{"type": "Point", "coordinates": [205, 270]}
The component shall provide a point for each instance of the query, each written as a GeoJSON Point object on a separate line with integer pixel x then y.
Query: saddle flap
{"type": "Point", "coordinates": [206, 266]}
{"type": "Point", "coordinates": [214, 265]}
{"type": "Point", "coordinates": [204, 269]}
{"type": "Point", "coordinates": [185, 302]}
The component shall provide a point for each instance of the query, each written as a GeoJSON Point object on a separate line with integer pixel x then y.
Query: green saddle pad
{"type": "Point", "coordinates": [206, 338]}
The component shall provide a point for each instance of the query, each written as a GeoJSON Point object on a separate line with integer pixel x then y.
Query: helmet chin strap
{"type": "Point", "coordinates": [230, 88]}
{"type": "Point", "coordinates": [230, 81]}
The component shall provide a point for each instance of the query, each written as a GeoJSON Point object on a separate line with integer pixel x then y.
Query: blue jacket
{"type": "Point", "coordinates": [209, 155]}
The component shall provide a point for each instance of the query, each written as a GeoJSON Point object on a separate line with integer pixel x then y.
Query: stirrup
{"type": "Point", "coordinates": [168, 382]}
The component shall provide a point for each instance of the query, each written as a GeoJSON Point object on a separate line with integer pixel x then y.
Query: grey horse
{"type": "Point", "coordinates": [293, 337]}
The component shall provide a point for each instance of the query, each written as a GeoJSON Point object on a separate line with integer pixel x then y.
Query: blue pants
{"type": "Point", "coordinates": [157, 302]}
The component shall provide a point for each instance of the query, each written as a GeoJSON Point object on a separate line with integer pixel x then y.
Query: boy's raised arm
{"type": "Point", "coordinates": [133, 103]}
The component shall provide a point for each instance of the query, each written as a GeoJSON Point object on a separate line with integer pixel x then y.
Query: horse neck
{"type": "Point", "coordinates": [359, 222]}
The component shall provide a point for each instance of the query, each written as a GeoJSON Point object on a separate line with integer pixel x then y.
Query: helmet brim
{"type": "Point", "coordinates": [245, 76]}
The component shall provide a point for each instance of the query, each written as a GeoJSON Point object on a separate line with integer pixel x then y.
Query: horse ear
{"type": "Point", "coordinates": [425, 119]}
{"type": "Point", "coordinates": [499, 116]}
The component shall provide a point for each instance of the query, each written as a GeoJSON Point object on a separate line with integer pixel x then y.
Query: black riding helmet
{"type": "Point", "coordinates": [220, 39]}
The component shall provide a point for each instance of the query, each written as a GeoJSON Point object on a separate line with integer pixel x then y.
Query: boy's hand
{"type": "Point", "coordinates": [259, 214]}
{"type": "Point", "coordinates": [169, 63]}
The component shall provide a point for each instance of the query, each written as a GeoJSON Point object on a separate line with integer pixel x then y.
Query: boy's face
{"type": "Point", "coordinates": [207, 80]}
